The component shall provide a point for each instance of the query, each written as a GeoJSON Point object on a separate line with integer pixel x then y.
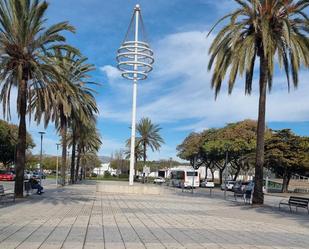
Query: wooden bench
{"type": "Point", "coordinates": [4, 195]}
{"type": "Point", "coordinates": [298, 202]}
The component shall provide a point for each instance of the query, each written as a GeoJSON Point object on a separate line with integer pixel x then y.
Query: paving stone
{"type": "Point", "coordinates": [78, 217]}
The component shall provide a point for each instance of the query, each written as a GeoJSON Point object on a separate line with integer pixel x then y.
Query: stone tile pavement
{"type": "Point", "coordinates": [79, 217]}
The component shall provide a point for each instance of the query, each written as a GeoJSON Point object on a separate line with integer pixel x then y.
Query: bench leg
{"type": "Point", "coordinates": [290, 208]}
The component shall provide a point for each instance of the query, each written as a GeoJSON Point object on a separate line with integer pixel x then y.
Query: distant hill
{"type": "Point", "coordinates": [105, 159]}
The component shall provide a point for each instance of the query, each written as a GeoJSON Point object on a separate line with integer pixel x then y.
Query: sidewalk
{"type": "Point", "coordinates": [79, 217]}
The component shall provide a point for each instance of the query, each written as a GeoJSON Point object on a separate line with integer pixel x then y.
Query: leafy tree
{"type": "Point", "coordinates": [25, 63]}
{"type": "Point", "coordinates": [119, 162]}
{"type": "Point", "coordinates": [210, 148]}
{"type": "Point", "coordinates": [190, 149]}
{"type": "Point", "coordinates": [260, 29]}
{"type": "Point", "coordinates": [89, 161]}
{"type": "Point", "coordinates": [287, 154]}
{"type": "Point", "coordinates": [8, 142]}
{"type": "Point", "coordinates": [149, 136]}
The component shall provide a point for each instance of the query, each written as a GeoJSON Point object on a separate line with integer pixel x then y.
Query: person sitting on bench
{"type": "Point", "coordinates": [36, 185]}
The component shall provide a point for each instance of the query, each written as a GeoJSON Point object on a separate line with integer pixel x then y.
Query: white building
{"type": "Point", "coordinates": [104, 167]}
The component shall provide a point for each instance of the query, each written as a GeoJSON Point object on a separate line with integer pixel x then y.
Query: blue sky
{"type": "Point", "coordinates": [177, 95]}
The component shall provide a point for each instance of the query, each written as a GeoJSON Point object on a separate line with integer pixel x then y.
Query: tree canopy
{"type": "Point", "coordinates": [287, 154]}
{"type": "Point", "coordinates": [8, 142]}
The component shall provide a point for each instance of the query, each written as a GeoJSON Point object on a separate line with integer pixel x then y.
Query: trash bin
{"type": "Point", "coordinates": [27, 186]}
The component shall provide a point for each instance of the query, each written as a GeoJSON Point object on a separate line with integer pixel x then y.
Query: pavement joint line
{"type": "Point", "coordinates": [130, 223]}
{"type": "Point", "coordinates": [16, 222]}
{"type": "Point", "coordinates": [16, 230]}
{"type": "Point", "coordinates": [102, 219]}
{"type": "Point", "coordinates": [51, 232]}
{"type": "Point", "coordinates": [143, 223]}
{"type": "Point", "coordinates": [84, 242]}
{"type": "Point", "coordinates": [179, 229]}
{"type": "Point", "coordinates": [164, 229]}
{"type": "Point", "coordinates": [121, 235]}
{"type": "Point", "coordinates": [71, 226]}
{"type": "Point", "coordinates": [48, 219]}
{"type": "Point", "coordinates": [138, 221]}
{"type": "Point", "coordinates": [194, 219]}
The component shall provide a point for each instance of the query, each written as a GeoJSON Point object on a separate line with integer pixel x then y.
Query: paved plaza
{"type": "Point", "coordinates": [79, 217]}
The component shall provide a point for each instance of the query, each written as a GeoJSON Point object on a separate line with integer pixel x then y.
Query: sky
{"type": "Point", "coordinates": [177, 94]}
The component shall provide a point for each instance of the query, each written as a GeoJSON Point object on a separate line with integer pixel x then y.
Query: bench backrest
{"type": "Point", "coordinates": [299, 201]}
{"type": "Point", "coordinates": [1, 189]}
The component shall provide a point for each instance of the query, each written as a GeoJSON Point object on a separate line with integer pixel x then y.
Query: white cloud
{"type": "Point", "coordinates": [111, 72]}
{"type": "Point", "coordinates": [180, 90]}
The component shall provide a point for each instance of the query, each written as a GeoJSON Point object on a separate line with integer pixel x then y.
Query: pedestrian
{"type": "Point", "coordinates": [36, 185]}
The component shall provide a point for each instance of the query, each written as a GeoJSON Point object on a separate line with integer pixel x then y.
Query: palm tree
{"type": "Point", "coordinates": [73, 105]}
{"type": "Point", "coordinates": [260, 29]}
{"type": "Point", "coordinates": [84, 137]}
{"type": "Point", "coordinates": [24, 60]}
{"type": "Point", "coordinates": [148, 136]}
{"type": "Point", "coordinates": [88, 142]}
{"type": "Point", "coordinates": [139, 151]}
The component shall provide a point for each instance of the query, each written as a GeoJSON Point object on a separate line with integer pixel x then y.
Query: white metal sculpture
{"type": "Point", "coordinates": [135, 59]}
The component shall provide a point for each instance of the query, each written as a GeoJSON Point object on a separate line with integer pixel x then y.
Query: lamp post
{"type": "Point", "coordinates": [135, 59]}
{"type": "Point", "coordinates": [57, 165]}
{"type": "Point", "coordinates": [41, 154]}
{"type": "Point", "coordinates": [226, 171]}
{"type": "Point", "coordinates": [68, 164]}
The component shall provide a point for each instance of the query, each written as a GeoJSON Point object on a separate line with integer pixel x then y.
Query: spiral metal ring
{"type": "Point", "coordinates": [135, 59]}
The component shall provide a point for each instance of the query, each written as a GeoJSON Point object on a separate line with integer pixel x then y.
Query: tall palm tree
{"type": "Point", "coordinates": [139, 151]}
{"type": "Point", "coordinates": [83, 138]}
{"type": "Point", "coordinates": [149, 136]}
{"type": "Point", "coordinates": [88, 142]}
{"type": "Point", "coordinates": [73, 105]}
{"type": "Point", "coordinates": [261, 29]}
{"type": "Point", "coordinates": [25, 43]}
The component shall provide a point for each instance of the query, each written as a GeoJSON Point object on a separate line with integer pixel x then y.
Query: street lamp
{"type": "Point", "coordinates": [68, 165]}
{"type": "Point", "coordinates": [41, 153]}
{"type": "Point", "coordinates": [57, 165]}
{"type": "Point", "coordinates": [226, 171]}
{"type": "Point", "coordinates": [135, 59]}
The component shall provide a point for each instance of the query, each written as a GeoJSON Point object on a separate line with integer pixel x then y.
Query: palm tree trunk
{"type": "Point", "coordinates": [144, 156]}
{"type": "Point", "coordinates": [258, 196]}
{"type": "Point", "coordinates": [73, 158]}
{"type": "Point", "coordinates": [63, 123]}
{"type": "Point", "coordinates": [77, 162]}
{"type": "Point", "coordinates": [21, 144]}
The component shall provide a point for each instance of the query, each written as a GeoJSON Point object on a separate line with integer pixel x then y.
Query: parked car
{"type": "Point", "coordinates": [228, 184]}
{"type": "Point", "coordinates": [7, 176]}
{"type": "Point", "coordinates": [210, 184]}
{"type": "Point", "coordinates": [207, 184]}
{"type": "Point", "coordinates": [159, 180]}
